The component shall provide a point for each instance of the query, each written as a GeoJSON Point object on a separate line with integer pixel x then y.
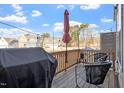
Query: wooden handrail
{"type": "Point", "coordinates": [73, 56]}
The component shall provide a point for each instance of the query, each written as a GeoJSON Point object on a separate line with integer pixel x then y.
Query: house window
{"type": "Point", "coordinates": [24, 45]}
{"type": "Point", "coordinates": [28, 39]}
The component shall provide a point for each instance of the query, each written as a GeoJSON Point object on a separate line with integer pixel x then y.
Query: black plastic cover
{"type": "Point", "coordinates": [26, 68]}
{"type": "Point", "coordinates": [96, 72]}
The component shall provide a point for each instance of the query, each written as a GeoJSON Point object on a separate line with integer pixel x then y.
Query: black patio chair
{"type": "Point", "coordinates": [82, 59]}
{"type": "Point", "coordinates": [81, 55]}
{"type": "Point", "coordinates": [94, 73]}
{"type": "Point", "coordinates": [100, 57]}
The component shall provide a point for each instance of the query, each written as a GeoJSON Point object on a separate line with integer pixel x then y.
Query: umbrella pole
{"type": "Point", "coordinates": [66, 58]}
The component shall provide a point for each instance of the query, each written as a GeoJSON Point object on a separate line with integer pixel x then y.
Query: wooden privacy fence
{"type": "Point", "coordinates": [73, 56]}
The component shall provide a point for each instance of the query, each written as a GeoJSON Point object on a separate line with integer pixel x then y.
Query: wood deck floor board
{"type": "Point", "coordinates": [111, 81]}
{"type": "Point", "coordinates": [117, 85]}
{"type": "Point", "coordinates": [60, 80]}
{"type": "Point", "coordinates": [67, 80]}
{"type": "Point", "coordinates": [63, 82]}
{"type": "Point", "coordinates": [71, 83]}
{"type": "Point", "coordinates": [106, 81]}
{"type": "Point", "coordinates": [70, 80]}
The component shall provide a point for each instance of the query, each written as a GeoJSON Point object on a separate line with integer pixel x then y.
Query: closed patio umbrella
{"type": "Point", "coordinates": [66, 37]}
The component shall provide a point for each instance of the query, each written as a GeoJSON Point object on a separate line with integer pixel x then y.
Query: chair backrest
{"type": "Point", "coordinates": [100, 57]}
{"type": "Point", "coordinates": [81, 55]}
{"type": "Point", "coordinates": [96, 72]}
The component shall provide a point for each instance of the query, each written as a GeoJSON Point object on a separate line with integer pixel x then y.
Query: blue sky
{"type": "Point", "coordinates": [42, 18]}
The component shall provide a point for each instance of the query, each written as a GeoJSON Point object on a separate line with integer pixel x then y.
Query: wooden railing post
{"type": "Point", "coordinates": [113, 60]}
{"type": "Point", "coordinates": [73, 58]}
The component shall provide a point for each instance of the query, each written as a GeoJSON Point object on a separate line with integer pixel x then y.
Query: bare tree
{"type": "Point", "coordinates": [44, 35]}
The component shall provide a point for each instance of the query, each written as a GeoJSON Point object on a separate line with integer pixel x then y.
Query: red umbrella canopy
{"type": "Point", "coordinates": [66, 36]}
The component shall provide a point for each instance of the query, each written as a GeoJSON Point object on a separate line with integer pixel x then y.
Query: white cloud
{"type": "Point", "coordinates": [14, 18]}
{"type": "Point", "coordinates": [72, 23]}
{"type": "Point", "coordinates": [26, 29]}
{"type": "Point", "coordinates": [13, 32]}
{"type": "Point", "coordinates": [17, 7]}
{"type": "Point", "coordinates": [36, 13]}
{"type": "Point", "coordinates": [19, 13]}
{"type": "Point", "coordinates": [17, 17]}
{"type": "Point", "coordinates": [89, 6]}
{"type": "Point", "coordinates": [60, 6]}
{"type": "Point", "coordinates": [96, 32]}
{"type": "Point", "coordinates": [45, 25]}
{"type": "Point", "coordinates": [105, 31]}
{"type": "Point", "coordinates": [93, 26]}
{"type": "Point", "coordinates": [71, 7]}
{"type": "Point", "coordinates": [106, 20]}
{"type": "Point", "coordinates": [58, 26]}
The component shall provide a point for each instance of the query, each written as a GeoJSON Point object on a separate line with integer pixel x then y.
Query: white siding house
{"type": "Point", "coordinates": [3, 43]}
{"type": "Point", "coordinates": [27, 40]}
{"type": "Point", "coordinates": [8, 43]}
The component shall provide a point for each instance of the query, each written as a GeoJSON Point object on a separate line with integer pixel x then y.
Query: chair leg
{"type": "Point", "coordinates": [76, 79]}
{"type": "Point", "coordinates": [77, 86]}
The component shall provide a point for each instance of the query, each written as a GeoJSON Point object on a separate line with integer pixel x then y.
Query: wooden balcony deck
{"type": "Point", "coordinates": [67, 80]}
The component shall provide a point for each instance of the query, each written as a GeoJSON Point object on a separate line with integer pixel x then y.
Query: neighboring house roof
{"type": "Point", "coordinates": [27, 38]}
{"type": "Point", "coordinates": [3, 41]}
{"type": "Point", "coordinates": [9, 40]}
{"type": "Point", "coordinates": [14, 41]}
